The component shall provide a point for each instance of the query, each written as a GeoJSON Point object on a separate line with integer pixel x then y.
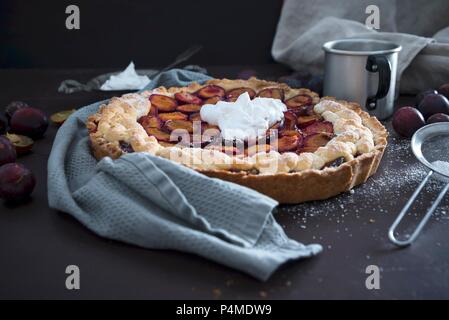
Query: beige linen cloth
{"type": "Point", "coordinates": [420, 26]}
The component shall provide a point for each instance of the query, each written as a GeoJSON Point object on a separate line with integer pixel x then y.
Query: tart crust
{"type": "Point", "coordinates": [117, 122]}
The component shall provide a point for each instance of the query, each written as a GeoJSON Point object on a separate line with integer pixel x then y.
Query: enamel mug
{"type": "Point", "coordinates": [362, 71]}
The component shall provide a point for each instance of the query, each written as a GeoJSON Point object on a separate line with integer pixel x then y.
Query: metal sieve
{"type": "Point", "coordinates": [430, 145]}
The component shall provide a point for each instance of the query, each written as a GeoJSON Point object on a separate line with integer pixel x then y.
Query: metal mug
{"type": "Point", "coordinates": [362, 71]}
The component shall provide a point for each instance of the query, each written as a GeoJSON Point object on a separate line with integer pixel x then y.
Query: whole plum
{"type": "Point", "coordinates": [29, 122]}
{"type": "Point", "coordinates": [407, 120]}
{"type": "Point", "coordinates": [438, 117]}
{"type": "Point", "coordinates": [16, 182]}
{"type": "Point", "coordinates": [433, 104]}
{"type": "Point", "coordinates": [13, 107]}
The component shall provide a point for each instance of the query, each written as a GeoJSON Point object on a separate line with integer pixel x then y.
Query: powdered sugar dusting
{"type": "Point", "coordinates": [398, 176]}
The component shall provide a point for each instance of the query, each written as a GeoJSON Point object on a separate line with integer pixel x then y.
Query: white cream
{"type": "Point", "coordinates": [245, 118]}
{"type": "Point", "coordinates": [126, 80]}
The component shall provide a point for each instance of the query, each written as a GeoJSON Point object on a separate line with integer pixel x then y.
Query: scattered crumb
{"type": "Point", "coordinates": [372, 220]}
{"type": "Point", "coordinates": [263, 294]}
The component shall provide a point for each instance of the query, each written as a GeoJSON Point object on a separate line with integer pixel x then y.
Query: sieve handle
{"type": "Point", "coordinates": [405, 243]}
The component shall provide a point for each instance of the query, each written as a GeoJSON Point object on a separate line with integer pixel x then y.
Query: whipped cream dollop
{"type": "Point", "coordinates": [126, 80]}
{"type": "Point", "coordinates": [244, 119]}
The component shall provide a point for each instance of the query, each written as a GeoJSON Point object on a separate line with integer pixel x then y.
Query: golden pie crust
{"type": "Point", "coordinates": [360, 138]}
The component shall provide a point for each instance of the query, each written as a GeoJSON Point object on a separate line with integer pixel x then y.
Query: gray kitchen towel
{"type": "Point", "coordinates": [155, 203]}
{"type": "Point", "coordinates": [420, 26]}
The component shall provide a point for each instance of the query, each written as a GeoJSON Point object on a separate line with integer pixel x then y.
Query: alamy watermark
{"type": "Point", "coordinates": [373, 19]}
{"type": "Point", "coordinates": [72, 22]}
{"type": "Point", "coordinates": [72, 282]}
{"type": "Point", "coordinates": [372, 282]}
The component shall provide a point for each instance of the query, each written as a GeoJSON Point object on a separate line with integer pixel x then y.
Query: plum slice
{"type": "Point", "coordinates": [172, 125]}
{"type": "Point", "coordinates": [212, 100]}
{"type": "Point", "coordinates": [313, 142]}
{"type": "Point", "coordinates": [195, 117]}
{"type": "Point", "coordinates": [158, 134]}
{"type": "Point", "coordinates": [289, 121]}
{"type": "Point", "coordinates": [187, 98]}
{"type": "Point", "coordinates": [319, 127]}
{"type": "Point", "coordinates": [173, 116]}
{"type": "Point", "coordinates": [298, 101]}
{"type": "Point", "coordinates": [163, 103]}
{"type": "Point", "coordinates": [150, 122]}
{"type": "Point", "coordinates": [232, 95]}
{"type": "Point", "coordinates": [273, 93]}
{"type": "Point", "coordinates": [60, 117]}
{"type": "Point", "coordinates": [305, 121]}
{"type": "Point", "coordinates": [211, 91]}
{"type": "Point", "coordinates": [288, 143]}
{"type": "Point", "coordinates": [189, 108]}
{"type": "Point", "coordinates": [22, 144]}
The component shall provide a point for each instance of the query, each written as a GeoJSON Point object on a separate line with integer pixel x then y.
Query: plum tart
{"type": "Point", "coordinates": [287, 143]}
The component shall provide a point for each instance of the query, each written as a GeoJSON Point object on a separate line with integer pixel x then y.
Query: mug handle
{"type": "Point", "coordinates": [381, 65]}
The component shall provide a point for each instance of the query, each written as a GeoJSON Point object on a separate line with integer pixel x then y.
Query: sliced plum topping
{"type": "Point", "coordinates": [289, 120]}
{"type": "Point", "coordinates": [232, 95]}
{"type": "Point", "coordinates": [186, 125]}
{"type": "Point", "coordinates": [163, 103]}
{"type": "Point", "coordinates": [288, 143]}
{"type": "Point", "coordinates": [314, 141]}
{"type": "Point", "coordinates": [195, 117]}
{"type": "Point", "coordinates": [299, 101]}
{"type": "Point", "coordinates": [126, 147]}
{"type": "Point", "coordinates": [187, 98]}
{"type": "Point", "coordinates": [305, 121]}
{"type": "Point", "coordinates": [189, 108]}
{"type": "Point", "coordinates": [212, 100]}
{"type": "Point", "coordinates": [320, 127]}
{"type": "Point", "coordinates": [273, 93]}
{"type": "Point", "coordinates": [150, 122]}
{"type": "Point", "coordinates": [173, 116]}
{"type": "Point", "coordinates": [158, 134]}
{"type": "Point", "coordinates": [211, 91]}
{"type": "Point", "coordinates": [153, 111]}
{"type": "Point", "coordinates": [304, 111]}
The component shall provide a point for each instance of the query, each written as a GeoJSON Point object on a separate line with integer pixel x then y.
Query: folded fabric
{"type": "Point", "coordinates": [155, 203]}
{"type": "Point", "coordinates": [305, 26]}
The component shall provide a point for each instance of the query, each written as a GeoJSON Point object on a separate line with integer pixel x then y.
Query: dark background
{"type": "Point", "coordinates": [149, 32]}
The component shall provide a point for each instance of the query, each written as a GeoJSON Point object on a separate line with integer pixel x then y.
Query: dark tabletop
{"type": "Point", "coordinates": [37, 243]}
